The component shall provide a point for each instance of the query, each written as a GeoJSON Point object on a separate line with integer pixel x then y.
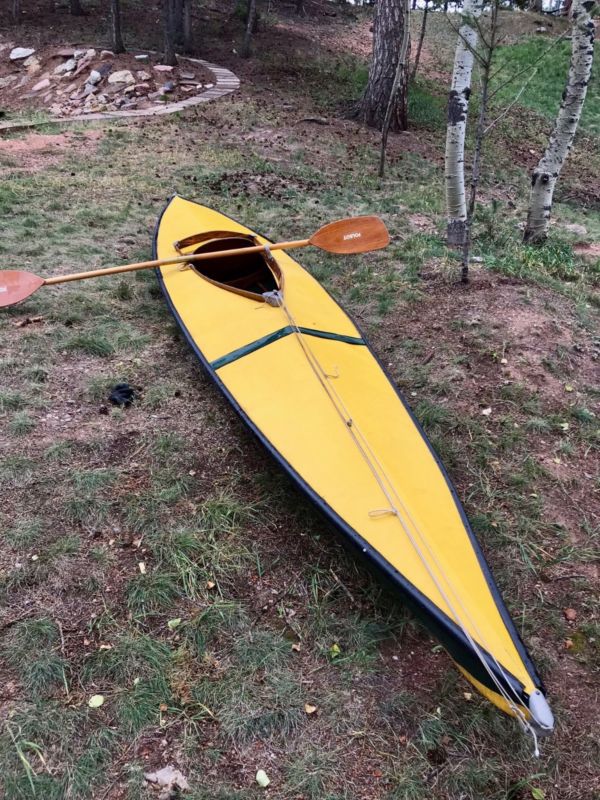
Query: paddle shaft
{"type": "Point", "coordinates": [238, 251]}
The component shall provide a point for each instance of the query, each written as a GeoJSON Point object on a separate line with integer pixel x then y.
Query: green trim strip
{"type": "Point", "coordinates": [273, 337]}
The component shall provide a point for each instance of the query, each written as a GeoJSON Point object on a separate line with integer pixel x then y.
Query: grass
{"type": "Point", "coordinates": [247, 611]}
{"type": "Point", "coordinates": [543, 93]}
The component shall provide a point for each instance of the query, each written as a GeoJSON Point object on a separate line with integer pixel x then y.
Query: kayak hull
{"type": "Point", "coordinates": [260, 358]}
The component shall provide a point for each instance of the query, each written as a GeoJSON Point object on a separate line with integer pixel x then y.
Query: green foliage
{"type": "Point", "coordinates": [543, 93]}
{"type": "Point", "coordinates": [32, 649]}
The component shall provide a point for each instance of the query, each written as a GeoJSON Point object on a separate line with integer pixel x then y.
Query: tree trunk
{"type": "Point", "coordinates": [187, 42]}
{"type": "Point", "coordinates": [300, 8]}
{"type": "Point", "coordinates": [421, 38]}
{"type": "Point", "coordinates": [16, 11]}
{"type": "Point", "coordinates": [115, 26]}
{"type": "Point", "coordinates": [400, 82]}
{"type": "Point", "coordinates": [169, 13]}
{"type": "Point", "coordinates": [545, 175]}
{"type": "Point", "coordinates": [537, 5]}
{"type": "Point", "coordinates": [388, 33]}
{"type": "Point", "coordinates": [490, 47]}
{"type": "Point", "coordinates": [250, 27]}
{"type": "Point", "coordinates": [458, 109]}
{"type": "Point", "coordinates": [75, 8]}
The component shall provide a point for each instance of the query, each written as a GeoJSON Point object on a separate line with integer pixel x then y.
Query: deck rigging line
{"type": "Point", "coordinates": [398, 509]}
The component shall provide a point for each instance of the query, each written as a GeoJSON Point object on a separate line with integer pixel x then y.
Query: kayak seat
{"type": "Point", "coordinates": [253, 274]}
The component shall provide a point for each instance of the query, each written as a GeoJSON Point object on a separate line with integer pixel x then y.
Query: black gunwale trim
{"type": "Point", "coordinates": [440, 624]}
{"type": "Point", "coordinates": [269, 338]}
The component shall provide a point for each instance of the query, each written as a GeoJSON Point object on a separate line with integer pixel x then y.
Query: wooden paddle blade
{"type": "Point", "coordinates": [16, 286]}
{"type": "Point", "coordinates": [352, 235]}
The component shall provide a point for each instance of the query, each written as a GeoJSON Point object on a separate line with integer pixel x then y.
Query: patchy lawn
{"type": "Point", "coordinates": [156, 556]}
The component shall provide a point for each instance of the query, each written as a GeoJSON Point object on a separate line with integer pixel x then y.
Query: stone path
{"type": "Point", "coordinates": [225, 83]}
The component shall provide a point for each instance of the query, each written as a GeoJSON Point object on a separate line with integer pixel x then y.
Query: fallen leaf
{"type": "Point", "coordinates": [486, 411]}
{"type": "Point", "coordinates": [170, 778]}
{"type": "Point", "coordinates": [570, 614]}
{"type": "Point", "coordinates": [262, 778]}
{"type": "Point", "coordinates": [210, 584]}
{"type": "Point", "coordinates": [309, 709]}
{"type": "Point", "coordinates": [163, 707]}
{"type": "Point", "coordinates": [334, 650]}
{"type": "Point", "coordinates": [568, 644]}
{"type": "Point", "coordinates": [96, 700]}
{"type": "Point", "coordinates": [142, 567]}
{"type": "Point", "coordinates": [568, 387]}
{"type": "Point", "coordinates": [174, 623]}
{"type": "Point", "coordinates": [296, 647]}
{"type": "Point", "coordinates": [537, 794]}
{"type": "Point", "coordinates": [467, 695]}
{"type": "Point", "coordinates": [564, 426]}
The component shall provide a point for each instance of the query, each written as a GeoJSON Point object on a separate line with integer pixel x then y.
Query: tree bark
{"type": "Point", "coordinates": [169, 13]}
{"type": "Point", "coordinates": [16, 11]}
{"type": "Point", "coordinates": [545, 175]}
{"type": "Point", "coordinates": [250, 26]}
{"type": "Point", "coordinates": [75, 8]}
{"type": "Point", "coordinates": [400, 81]}
{"type": "Point", "coordinates": [300, 8]}
{"type": "Point", "coordinates": [115, 26]}
{"type": "Point", "coordinates": [187, 42]}
{"type": "Point", "coordinates": [458, 109]}
{"type": "Point", "coordinates": [421, 39]}
{"type": "Point", "coordinates": [388, 32]}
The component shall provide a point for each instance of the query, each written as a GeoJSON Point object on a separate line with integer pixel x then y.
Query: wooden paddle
{"type": "Point", "coordinates": [352, 235]}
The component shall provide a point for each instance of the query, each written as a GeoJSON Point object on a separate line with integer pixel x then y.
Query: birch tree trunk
{"type": "Point", "coordinates": [387, 35]}
{"type": "Point", "coordinates": [458, 109]}
{"type": "Point", "coordinates": [115, 26]}
{"type": "Point", "coordinates": [545, 175]}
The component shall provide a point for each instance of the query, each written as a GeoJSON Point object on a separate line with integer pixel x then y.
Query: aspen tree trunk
{"type": "Point", "coordinates": [458, 109]}
{"type": "Point", "coordinates": [545, 175]}
{"type": "Point", "coordinates": [115, 26]}
{"type": "Point", "coordinates": [388, 32]}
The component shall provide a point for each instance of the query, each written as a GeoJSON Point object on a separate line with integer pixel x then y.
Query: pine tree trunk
{"type": "Point", "coordinates": [75, 8]}
{"type": "Point", "coordinates": [169, 13]}
{"type": "Point", "coordinates": [458, 109]}
{"type": "Point", "coordinates": [115, 25]}
{"type": "Point", "coordinates": [421, 38]}
{"type": "Point", "coordinates": [545, 175]}
{"type": "Point", "coordinates": [250, 26]}
{"type": "Point", "coordinates": [387, 35]}
{"type": "Point", "coordinates": [187, 27]}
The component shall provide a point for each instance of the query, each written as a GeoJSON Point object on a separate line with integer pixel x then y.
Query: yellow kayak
{"type": "Point", "coordinates": [302, 377]}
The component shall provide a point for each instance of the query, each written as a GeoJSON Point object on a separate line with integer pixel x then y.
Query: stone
{"type": "Point", "coordinates": [94, 77]}
{"type": "Point", "coordinates": [43, 84]}
{"type": "Point", "coordinates": [142, 57]}
{"type": "Point", "coordinates": [104, 69]}
{"type": "Point", "coordinates": [140, 88]}
{"type": "Point", "coordinates": [163, 68]}
{"type": "Point", "coordinates": [88, 89]}
{"type": "Point", "coordinates": [4, 82]}
{"type": "Point", "coordinates": [17, 53]}
{"type": "Point", "coordinates": [209, 85]}
{"type": "Point", "coordinates": [187, 75]}
{"type": "Point", "coordinates": [32, 65]}
{"type": "Point", "coordinates": [104, 54]}
{"type": "Point", "coordinates": [66, 66]}
{"type": "Point", "coordinates": [541, 29]}
{"type": "Point", "coordinates": [129, 89]}
{"type": "Point", "coordinates": [65, 52]}
{"type": "Point", "coordinates": [143, 76]}
{"type": "Point", "coordinates": [90, 53]}
{"type": "Point", "coordinates": [77, 54]}
{"type": "Point", "coordinates": [168, 87]}
{"type": "Point", "coordinates": [122, 76]}
{"type": "Point", "coordinates": [82, 65]}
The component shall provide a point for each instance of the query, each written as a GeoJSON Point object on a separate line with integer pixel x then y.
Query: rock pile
{"type": "Point", "coordinates": [71, 81]}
